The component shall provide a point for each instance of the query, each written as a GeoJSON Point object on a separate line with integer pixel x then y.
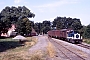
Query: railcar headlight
{"type": "Point", "coordinates": [77, 36]}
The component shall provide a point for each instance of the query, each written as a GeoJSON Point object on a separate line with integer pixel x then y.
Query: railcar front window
{"type": "Point", "coordinates": [71, 34]}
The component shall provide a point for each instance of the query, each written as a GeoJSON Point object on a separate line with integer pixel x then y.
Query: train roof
{"type": "Point", "coordinates": [65, 29]}
{"type": "Point", "coordinates": [62, 30]}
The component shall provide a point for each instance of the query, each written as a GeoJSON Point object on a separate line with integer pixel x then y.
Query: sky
{"type": "Point", "coordinates": [50, 9]}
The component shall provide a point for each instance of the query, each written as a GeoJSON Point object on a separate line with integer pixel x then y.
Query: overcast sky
{"type": "Point", "coordinates": [50, 9]}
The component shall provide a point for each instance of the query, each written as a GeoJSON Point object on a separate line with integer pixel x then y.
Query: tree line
{"type": "Point", "coordinates": [19, 16]}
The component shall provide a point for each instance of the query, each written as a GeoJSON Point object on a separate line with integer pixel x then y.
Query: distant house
{"type": "Point", "coordinates": [11, 31]}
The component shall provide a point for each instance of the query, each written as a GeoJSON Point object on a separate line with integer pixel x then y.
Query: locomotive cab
{"type": "Point", "coordinates": [74, 36]}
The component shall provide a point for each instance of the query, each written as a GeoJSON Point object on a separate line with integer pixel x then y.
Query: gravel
{"type": "Point", "coordinates": [41, 44]}
{"type": "Point", "coordinates": [76, 49]}
{"type": "Point", "coordinates": [75, 46]}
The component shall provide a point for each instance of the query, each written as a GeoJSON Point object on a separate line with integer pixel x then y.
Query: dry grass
{"type": "Point", "coordinates": [50, 50]}
{"type": "Point", "coordinates": [38, 55]}
{"type": "Point", "coordinates": [22, 55]}
{"type": "Point", "coordinates": [19, 53]}
{"type": "Point", "coordinates": [87, 41]}
{"type": "Point", "coordinates": [31, 41]}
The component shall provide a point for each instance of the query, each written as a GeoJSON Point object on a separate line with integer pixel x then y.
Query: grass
{"type": "Point", "coordinates": [6, 44]}
{"type": "Point", "coordinates": [13, 50]}
{"type": "Point", "coordinates": [7, 39]}
{"type": "Point", "coordinates": [38, 55]}
{"type": "Point", "coordinates": [50, 50]}
{"type": "Point", "coordinates": [86, 41]}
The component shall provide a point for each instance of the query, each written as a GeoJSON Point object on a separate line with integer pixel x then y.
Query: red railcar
{"type": "Point", "coordinates": [57, 33]}
{"type": "Point", "coordinates": [66, 34]}
{"type": "Point", "coordinates": [51, 33]}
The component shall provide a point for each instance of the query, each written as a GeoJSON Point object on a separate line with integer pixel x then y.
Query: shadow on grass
{"type": "Point", "coordinates": [5, 45]}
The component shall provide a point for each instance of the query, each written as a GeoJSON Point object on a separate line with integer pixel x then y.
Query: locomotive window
{"type": "Point", "coordinates": [71, 31]}
{"type": "Point", "coordinates": [71, 34]}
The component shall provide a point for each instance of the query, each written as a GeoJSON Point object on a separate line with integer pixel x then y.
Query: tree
{"type": "Point", "coordinates": [59, 25]}
{"type": "Point", "coordinates": [39, 27]}
{"type": "Point", "coordinates": [36, 27]}
{"type": "Point", "coordinates": [11, 15]}
{"type": "Point", "coordinates": [46, 23]}
{"type": "Point", "coordinates": [87, 32]}
{"type": "Point", "coordinates": [83, 31]}
{"type": "Point", "coordinates": [65, 23]}
{"type": "Point", "coordinates": [76, 24]}
{"type": "Point", "coordinates": [46, 26]}
{"type": "Point", "coordinates": [46, 29]}
{"type": "Point", "coordinates": [24, 26]}
{"type": "Point", "coordinates": [43, 27]}
{"type": "Point", "coordinates": [1, 28]}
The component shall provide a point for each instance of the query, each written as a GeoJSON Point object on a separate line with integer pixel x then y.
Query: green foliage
{"type": "Point", "coordinates": [46, 29]}
{"type": "Point", "coordinates": [24, 26]}
{"type": "Point", "coordinates": [43, 27]}
{"type": "Point", "coordinates": [13, 15]}
{"type": "Point", "coordinates": [76, 24]}
{"type": "Point", "coordinates": [46, 26]}
{"type": "Point", "coordinates": [82, 31]}
{"type": "Point", "coordinates": [36, 27]}
{"type": "Point", "coordinates": [59, 25]}
{"type": "Point", "coordinates": [46, 23]}
{"type": "Point", "coordinates": [64, 23]}
{"type": "Point", "coordinates": [87, 32]}
{"type": "Point", "coordinates": [87, 41]}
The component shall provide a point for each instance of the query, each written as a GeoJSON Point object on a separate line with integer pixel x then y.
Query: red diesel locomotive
{"type": "Point", "coordinates": [66, 34]}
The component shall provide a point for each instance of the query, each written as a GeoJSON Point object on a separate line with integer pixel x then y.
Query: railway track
{"type": "Point", "coordinates": [67, 52]}
{"type": "Point", "coordinates": [84, 46]}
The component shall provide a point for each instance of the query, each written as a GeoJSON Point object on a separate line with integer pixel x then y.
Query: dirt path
{"type": "Point", "coordinates": [41, 44]}
{"type": "Point", "coordinates": [43, 47]}
{"type": "Point", "coordinates": [40, 49]}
